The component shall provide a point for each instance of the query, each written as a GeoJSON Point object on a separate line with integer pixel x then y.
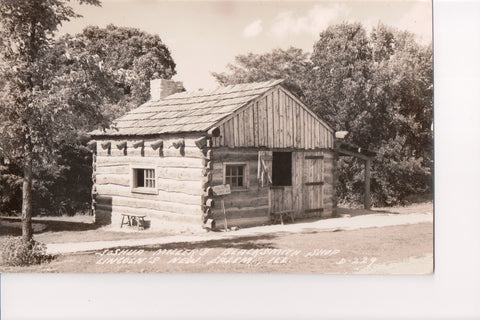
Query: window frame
{"type": "Point", "coordinates": [245, 175]}
{"type": "Point", "coordinates": [133, 180]}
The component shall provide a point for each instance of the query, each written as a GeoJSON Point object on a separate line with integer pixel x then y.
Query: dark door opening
{"type": "Point", "coordinates": [282, 169]}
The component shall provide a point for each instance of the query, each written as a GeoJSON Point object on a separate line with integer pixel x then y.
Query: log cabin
{"type": "Point", "coordinates": [168, 158]}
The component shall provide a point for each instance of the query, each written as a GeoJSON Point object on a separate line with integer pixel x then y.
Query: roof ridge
{"type": "Point", "coordinates": [218, 90]}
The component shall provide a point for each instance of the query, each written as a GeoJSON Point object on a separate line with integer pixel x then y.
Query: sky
{"type": "Point", "coordinates": [203, 37]}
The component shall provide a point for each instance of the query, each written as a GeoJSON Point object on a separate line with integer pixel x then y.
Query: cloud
{"type": "Point", "coordinates": [253, 29]}
{"type": "Point", "coordinates": [317, 19]}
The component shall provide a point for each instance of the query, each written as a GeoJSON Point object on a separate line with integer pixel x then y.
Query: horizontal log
{"type": "Point", "coordinates": [153, 216]}
{"type": "Point", "coordinates": [209, 165]}
{"type": "Point", "coordinates": [92, 145]}
{"type": "Point", "coordinates": [174, 207]}
{"type": "Point", "coordinates": [234, 156]}
{"type": "Point", "coordinates": [313, 157]}
{"type": "Point", "coordinates": [225, 150]}
{"type": "Point", "coordinates": [243, 222]}
{"type": "Point", "coordinates": [117, 179]}
{"type": "Point", "coordinates": [214, 132]}
{"type": "Point", "coordinates": [143, 211]}
{"type": "Point", "coordinates": [208, 192]}
{"type": "Point", "coordinates": [206, 180]}
{"type": "Point", "coordinates": [210, 203]}
{"type": "Point", "coordinates": [201, 142]}
{"type": "Point", "coordinates": [123, 169]}
{"type": "Point", "coordinates": [179, 173]}
{"type": "Point", "coordinates": [188, 187]}
{"type": "Point", "coordinates": [102, 217]}
{"type": "Point", "coordinates": [207, 154]}
{"type": "Point", "coordinates": [241, 212]}
{"type": "Point", "coordinates": [178, 162]}
{"type": "Point", "coordinates": [243, 199]}
{"type": "Point", "coordinates": [206, 171]}
{"type": "Point", "coordinates": [138, 144]}
{"type": "Point", "coordinates": [121, 145]}
{"type": "Point", "coordinates": [157, 144]}
{"type": "Point", "coordinates": [313, 210]}
{"type": "Point", "coordinates": [178, 143]}
{"type": "Point", "coordinates": [191, 152]}
{"type": "Point", "coordinates": [113, 190]}
{"type": "Point", "coordinates": [316, 183]}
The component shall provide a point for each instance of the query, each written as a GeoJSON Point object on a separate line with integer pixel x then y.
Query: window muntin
{"type": "Point", "coordinates": [235, 175]}
{"type": "Point", "coordinates": [144, 178]}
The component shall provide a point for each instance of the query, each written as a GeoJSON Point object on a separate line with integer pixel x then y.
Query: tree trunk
{"type": "Point", "coordinates": [27, 232]}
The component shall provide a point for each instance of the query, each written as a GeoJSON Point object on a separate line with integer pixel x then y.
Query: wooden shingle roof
{"type": "Point", "coordinates": [195, 111]}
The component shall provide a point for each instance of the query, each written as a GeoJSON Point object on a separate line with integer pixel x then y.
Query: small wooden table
{"type": "Point", "coordinates": [133, 219]}
{"type": "Point", "coordinates": [279, 216]}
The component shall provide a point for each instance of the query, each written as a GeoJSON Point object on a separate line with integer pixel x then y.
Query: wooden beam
{"type": "Point", "coordinates": [318, 183]}
{"type": "Point", "coordinates": [121, 145]}
{"type": "Point", "coordinates": [92, 145]}
{"type": "Point", "coordinates": [178, 143]}
{"type": "Point", "coordinates": [106, 145]}
{"type": "Point", "coordinates": [351, 153]}
{"type": "Point", "coordinates": [313, 157]}
{"type": "Point", "coordinates": [201, 142]}
{"type": "Point", "coordinates": [157, 144]}
{"type": "Point", "coordinates": [367, 204]}
{"type": "Point", "coordinates": [214, 132]}
{"type": "Point", "coordinates": [138, 144]}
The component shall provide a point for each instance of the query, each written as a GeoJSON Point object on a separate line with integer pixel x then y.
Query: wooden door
{"type": "Point", "coordinates": [281, 199]}
{"type": "Point", "coordinates": [281, 191]}
{"type": "Point", "coordinates": [313, 180]}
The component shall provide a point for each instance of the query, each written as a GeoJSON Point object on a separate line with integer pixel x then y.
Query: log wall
{"type": "Point", "coordinates": [243, 207]}
{"type": "Point", "coordinates": [178, 193]}
{"type": "Point", "coordinates": [311, 193]}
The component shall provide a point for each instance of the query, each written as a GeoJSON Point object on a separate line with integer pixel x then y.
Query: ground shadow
{"type": "Point", "coordinates": [360, 212]}
{"type": "Point", "coordinates": [246, 242]}
{"type": "Point", "coordinates": [13, 226]}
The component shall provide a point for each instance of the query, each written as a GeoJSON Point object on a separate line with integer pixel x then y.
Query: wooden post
{"type": "Point", "coordinates": [224, 215]}
{"type": "Point", "coordinates": [366, 202]}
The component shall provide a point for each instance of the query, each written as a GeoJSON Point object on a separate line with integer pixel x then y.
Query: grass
{"type": "Point", "coordinates": [382, 246]}
{"type": "Point", "coordinates": [70, 229]}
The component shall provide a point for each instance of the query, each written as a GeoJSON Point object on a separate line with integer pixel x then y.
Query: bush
{"type": "Point", "coordinates": [17, 252]}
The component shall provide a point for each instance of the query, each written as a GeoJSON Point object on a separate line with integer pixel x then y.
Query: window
{"type": "Point", "coordinates": [144, 178]}
{"type": "Point", "coordinates": [235, 175]}
{"type": "Point", "coordinates": [282, 169]}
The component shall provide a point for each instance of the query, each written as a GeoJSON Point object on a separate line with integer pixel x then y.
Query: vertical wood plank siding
{"type": "Point", "coordinates": [275, 120]}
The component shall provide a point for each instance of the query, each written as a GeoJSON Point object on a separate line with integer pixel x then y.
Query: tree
{"type": "Point", "coordinates": [377, 86]}
{"type": "Point", "coordinates": [36, 104]}
{"type": "Point", "coordinates": [119, 63]}
{"type": "Point", "coordinates": [130, 58]}
{"type": "Point", "coordinates": [290, 64]}
{"type": "Point", "coordinates": [338, 87]}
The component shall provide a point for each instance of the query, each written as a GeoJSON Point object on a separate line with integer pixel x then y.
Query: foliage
{"type": "Point", "coordinates": [37, 104]}
{"type": "Point", "coordinates": [87, 80]}
{"type": "Point", "coordinates": [291, 64]}
{"type": "Point", "coordinates": [10, 187]}
{"type": "Point", "coordinates": [130, 58]}
{"type": "Point", "coordinates": [377, 86]}
{"type": "Point", "coordinates": [15, 251]}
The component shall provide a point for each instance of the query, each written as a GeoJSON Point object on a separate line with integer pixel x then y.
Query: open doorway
{"type": "Point", "coordinates": [282, 169]}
